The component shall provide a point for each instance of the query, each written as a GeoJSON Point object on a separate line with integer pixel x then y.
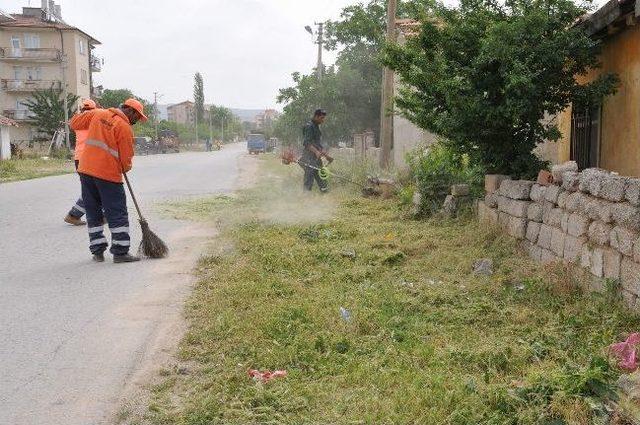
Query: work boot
{"type": "Point", "coordinates": [98, 258]}
{"type": "Point", "coordinates": [74, 220]}
{"type": "Point", "coordinates": [125, 258]}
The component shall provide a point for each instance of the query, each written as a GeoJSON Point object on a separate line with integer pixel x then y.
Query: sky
{"type": "Point", "coordinates": [245, 49]}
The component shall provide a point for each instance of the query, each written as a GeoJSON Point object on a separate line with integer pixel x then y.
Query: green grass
{"type": "Point", "coordinates": [428, 342]}
{"type": "Point", "coordinates": [32, 168]}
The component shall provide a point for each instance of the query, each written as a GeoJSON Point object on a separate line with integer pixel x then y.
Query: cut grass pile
{"type": "Point", "coordinates": [31, 168]}
{"type": "Point", "coordinates": [424, 341]}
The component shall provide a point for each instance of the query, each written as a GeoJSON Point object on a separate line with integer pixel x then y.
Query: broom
{"type": "Point", "coordinates": [151, 245]}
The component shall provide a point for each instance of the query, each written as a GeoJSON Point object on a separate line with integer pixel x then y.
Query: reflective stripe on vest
{"type": "Point", "coordinates": [103, 146]}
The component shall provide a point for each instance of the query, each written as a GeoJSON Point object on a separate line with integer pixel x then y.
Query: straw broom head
{"type": "Point", "coordinates": [151, 245]}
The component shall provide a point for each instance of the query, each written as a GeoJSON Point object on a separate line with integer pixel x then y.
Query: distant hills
{"type": "Point", "coordinates": [246, 114]}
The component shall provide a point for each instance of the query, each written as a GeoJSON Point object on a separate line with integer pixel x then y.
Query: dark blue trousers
{"type": "Point", "coordinates": [102, 195]}
{"type": "Point", "coordinates": [78, 209]}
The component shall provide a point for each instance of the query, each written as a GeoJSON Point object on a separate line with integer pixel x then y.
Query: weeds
{"type": "Point", "coordinates": [31, 168]}
{"type": "Point", "coordinates": [426, 341]}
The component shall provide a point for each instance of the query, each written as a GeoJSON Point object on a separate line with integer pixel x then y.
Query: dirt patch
{"type": "Point", "coordinates": [173, 281]}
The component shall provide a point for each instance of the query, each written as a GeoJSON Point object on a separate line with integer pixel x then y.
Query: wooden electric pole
{"type": "Point", "coordinates": [386, 105]}
{"type": "Point", "coordinates": [320, 43]}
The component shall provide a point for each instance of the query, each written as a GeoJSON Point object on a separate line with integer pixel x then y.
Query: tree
{"type": "Point", "coordinates": [114, 98]}
{"type": "Point", "coordinates": [484, 76]}
{"type": "Point", "coordinates": [47, 108]}
{"type": "Point", "coordinates": [198, 96]}
{"type": "Point", "coordinates": [350, 91]}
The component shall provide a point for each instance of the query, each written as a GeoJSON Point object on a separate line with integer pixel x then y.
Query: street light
{"type": "Point", "coordinates": [319, 42]}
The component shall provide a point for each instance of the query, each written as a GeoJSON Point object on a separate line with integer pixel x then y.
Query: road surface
{"type": "Point", "coordinates": [73, 332]}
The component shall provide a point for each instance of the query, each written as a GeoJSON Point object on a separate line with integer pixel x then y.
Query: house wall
{"type": "Point", "coordinates": [620, 134]}
{"type": "Point", "coordinates": [181, 113]}
{"type": "Point", "coordinates": [406, 137]}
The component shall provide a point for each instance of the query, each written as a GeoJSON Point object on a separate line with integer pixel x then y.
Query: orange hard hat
{"type": "Point", "coordinates": [88, 104]}
{"type": "Point", "coordinates": [135, 104]}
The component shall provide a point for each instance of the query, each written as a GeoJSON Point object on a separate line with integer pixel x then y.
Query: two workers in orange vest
{"type": "Point", "coordinates": [104, 150]}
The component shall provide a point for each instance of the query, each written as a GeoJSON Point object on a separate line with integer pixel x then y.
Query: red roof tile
{"type": "Point", "coordinates": [7, 122]}
{"type": "Point", "coordinates": [24, 21]}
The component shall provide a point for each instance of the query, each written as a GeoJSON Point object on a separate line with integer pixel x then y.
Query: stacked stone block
{"type": "Point", "coordinates": [592, 220]}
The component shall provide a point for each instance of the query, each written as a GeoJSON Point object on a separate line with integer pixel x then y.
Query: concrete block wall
{"type": "Point", "coordinates": [592, 220]}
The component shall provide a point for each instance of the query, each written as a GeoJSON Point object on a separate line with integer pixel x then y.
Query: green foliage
{"type": "Point", "coordinates": [198, 96]}
{"type": "Point", "coordinates": [112, 98]}
{"type": "Point", "coordinates": [349, 91]}
{"type": "Point", "coordinates": [484, 75]}
{"type": "Point", "coordinates": [438, 167]}
{"type": "Point", "coordinates": [351, 101]}
{"type": "Point", "coordinates": [47, 107]}
{"type": "Point", "coordinates": [35, 167]}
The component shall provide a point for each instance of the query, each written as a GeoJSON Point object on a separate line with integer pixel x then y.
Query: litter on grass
{"type": "Point", "coordinates": [346, 314]}
{"type": "Point", "coordinates": [267, 375]}
{"type": "Point", "coordinates": [625, 352]}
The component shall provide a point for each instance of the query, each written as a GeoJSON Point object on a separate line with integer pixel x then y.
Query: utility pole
{"type": "Point", "coordinates": [386, 106]}
{"type": "Point", "coordinates": [156, 112]}
{"type": "Point", "coordinates": [210, 127]}
{"type": "Point", "coordinates": [63, 65]}
{"type": "Point", "coordinates": [320, 43]}
{"type": "Point", "coordinates": [222, 129]}
{"type": "Point", "coordinates": [195, 110]}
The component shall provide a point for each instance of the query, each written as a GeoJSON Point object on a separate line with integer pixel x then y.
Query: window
{"type": "Point", "coordinates": [17, 72]}
{"type": "Point", "coordinates": [20, 104]}
{"type": "Point", "coordinates": [83, 76]}
{"type": "Point", "coordinates": [82, 47]}
{"type": "Point", "coordinates": [31, 41]}
{"type": "Point", "coordinates": [585, 136]}
{"type": "Point", "coordinates": [34, 73]}
{"type": "Point", "coordinates": [16, 51]}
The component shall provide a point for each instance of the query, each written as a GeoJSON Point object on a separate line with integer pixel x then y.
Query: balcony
{"type": "Point", "coordinates": [18, 114]}
{"type": "Point", "coordinates": [96, 63]}
{"type": "Point", "coordinates": [30, 55]}
{"type": "Point", "coordinates": [21, 86]}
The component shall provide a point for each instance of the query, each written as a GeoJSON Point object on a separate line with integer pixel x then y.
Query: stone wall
{"type": "Point", "coordinates": [592, 220]}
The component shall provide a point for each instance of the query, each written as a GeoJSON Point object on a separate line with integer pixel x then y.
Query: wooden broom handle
{"type": "Point", "coordinates": [135, 202]}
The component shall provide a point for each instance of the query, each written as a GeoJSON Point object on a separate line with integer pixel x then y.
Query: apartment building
{"type": "Point", "coordinates": [265, 120]}
{"type": "Point", "coordinates": [182, 113]}
{"type": "Point", "coordinates": [39, 50]}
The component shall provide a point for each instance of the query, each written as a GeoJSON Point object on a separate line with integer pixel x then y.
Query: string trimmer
{"type": "Point", "coordinates": [324, 173]}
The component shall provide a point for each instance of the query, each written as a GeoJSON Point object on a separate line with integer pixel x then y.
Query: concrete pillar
{"type": "Point", "coordinates": [5, 145]}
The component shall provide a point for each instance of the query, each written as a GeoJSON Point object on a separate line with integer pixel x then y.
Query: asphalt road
{"type": "Point", "coordinates": [74, 332]}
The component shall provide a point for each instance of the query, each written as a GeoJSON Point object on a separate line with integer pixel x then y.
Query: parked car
{"type": "Point", "coordinates": [256, 143]}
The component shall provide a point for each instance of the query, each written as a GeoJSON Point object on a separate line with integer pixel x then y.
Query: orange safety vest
{"type": "Point", "coordinates": [108, 148]}
{"type": "Point", "coordinates": [81, 137]}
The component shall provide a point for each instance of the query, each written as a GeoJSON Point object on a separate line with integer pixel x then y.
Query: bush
{"type": "Point", "coordinates": [435, 169]}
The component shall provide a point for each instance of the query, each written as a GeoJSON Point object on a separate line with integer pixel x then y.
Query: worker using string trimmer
{"type": "Point", "coordinates": [311, 160]}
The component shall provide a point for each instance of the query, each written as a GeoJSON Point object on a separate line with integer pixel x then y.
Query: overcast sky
{"type": "Point", "coordinates": [245, 49]}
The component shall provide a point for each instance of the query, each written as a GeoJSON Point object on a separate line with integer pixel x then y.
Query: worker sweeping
{"type": "Point", "coordinates": [77, 211]}
{"type": "Point", "coordinates": [107, 154]}
{"type": "Point", "coordinates": [311, 160]}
